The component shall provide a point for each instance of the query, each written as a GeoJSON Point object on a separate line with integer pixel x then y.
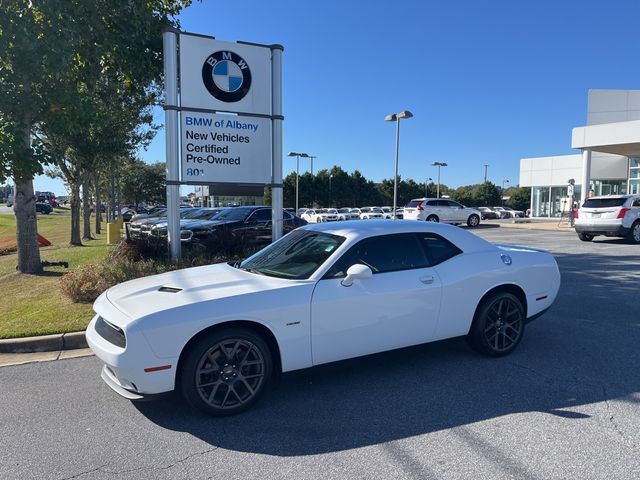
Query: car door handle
{"type": "Point", "coordinates": [427, 279]}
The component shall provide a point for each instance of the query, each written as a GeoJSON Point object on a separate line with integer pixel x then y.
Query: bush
{"type": "Point", "coordinates": [126, 262]}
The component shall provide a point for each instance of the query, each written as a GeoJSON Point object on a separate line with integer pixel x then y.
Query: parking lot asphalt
{"type": "Point", "coordinates": [564, 405]}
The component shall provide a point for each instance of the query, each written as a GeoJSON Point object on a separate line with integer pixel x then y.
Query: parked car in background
{"type": "Point", "coordinates": [45, 208]}
{"type": "Point", "coordinates": [441, 210]}
{"type": "Point", "coordinates": [194, 225]}
{"type": "Point", "coordinates": [514, 213]}
{"type": "Point", "coordinates": [487, 213]}
{"type": "Point", "coordinates": [153, 212]}
{"type": "Point", "coordinates": [612, 216]}
{"type": "Point", "coordinates": [367, 213]}
{"type": "Point", "coordinates": [300, 211]}
{"type": "Point", "coordinates": [400, 213]}
{"type": "Point", "coordinates": [328, 292]}
{"type": "Point", "coordinates": [46, 197]}
{"type": "Point", "coordinates": [388, 212]}
{"type": "Point", "coordinates": [346, 213]}
{"type": "Point", "coordinates": [319, 215]}
{"type": "Point", "coordinates": [502, 212]}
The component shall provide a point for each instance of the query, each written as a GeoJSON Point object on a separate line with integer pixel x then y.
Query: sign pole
{"type": "Point", "coordinates": [169, 40]}
{"type": "Point", "coordinates": [276, 143]}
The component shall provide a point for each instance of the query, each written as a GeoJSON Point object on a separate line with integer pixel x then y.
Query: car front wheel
{"type": "Point", "coordinates": [473, 221]}
{"type": "Point", "coordinates": [433, 218]}
{"type": "Point", "coordinates": [498, 325]}
{"type": "Point", "coordinates": [226, 371]}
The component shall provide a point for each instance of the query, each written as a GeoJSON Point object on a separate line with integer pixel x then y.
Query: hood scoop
{"type": "Point", "coordinates": [169, 289]}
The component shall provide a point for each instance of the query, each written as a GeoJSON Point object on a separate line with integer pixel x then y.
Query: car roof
{"type": "Point", "coordinates": [601, 197]}
{"type": "Point", "coordinates": [357, 230]}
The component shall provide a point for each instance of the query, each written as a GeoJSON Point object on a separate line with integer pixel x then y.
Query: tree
{"type": "Point", "coordinates": [486, 194]}
{"type": "Point", "coordinates": [520, 198]}
{"type": "Point", "coordinates": [35, 49]}
{"type": "Point", "coordinates": [143, 182]}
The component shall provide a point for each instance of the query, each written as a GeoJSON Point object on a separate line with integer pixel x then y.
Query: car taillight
{"type": "Point", "coordinates": [420, 207]}
{"type": "Point", "coordinates": [623, 212]}
{"type": "Point", "coordinates": [577, 214]}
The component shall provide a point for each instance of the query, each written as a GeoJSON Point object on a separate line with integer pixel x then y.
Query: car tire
{"type": "Point", "coordinates": [585, 237]}
{"type": "Point", "coordinates": [432, 218]}
{"type": "Point", "coordinates": [634, 233]}
{"type": "Point", "coordinates": [244, 374]}
{"type": "Point", "coordinates": [498, 325]}
{"type": "Point", "coordinates": [318, 220]}
{"type": "Point", "coordinates": [473, 221]}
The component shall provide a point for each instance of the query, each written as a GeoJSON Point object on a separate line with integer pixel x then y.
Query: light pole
{"type": "Point", "coordinates": [330, 177]}
{"type": "Point", "coordinates": [502, 192]}
{"type": "Point", "coordinates": [312, 157]}
{"type": "Point", "coordinates": [426, 186]}
{"type": "Point", "coordinates": [439, 164]}
{"type": "Point", "coordinates": [297, 155]}
{"type": "Point", "coordinates": [486, 167]}
{"type": "Point", "coordinates": [395, 117]}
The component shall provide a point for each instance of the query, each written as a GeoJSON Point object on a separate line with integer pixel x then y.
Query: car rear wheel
{"type": "Point", "coordinates": [225, 372]}
{"type": "Point", "coordinates": [585, 237]}
{"type": "Point", "coordinates": [473, 221]}
{"type": "Point", "coordinates": [498, 325]}
{"type": "Point", "coordinates": [634, 233]}
{"type": "Point", "coordinates": [433, 218]}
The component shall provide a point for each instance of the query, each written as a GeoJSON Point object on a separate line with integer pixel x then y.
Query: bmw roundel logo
{"type": "Point", "coordinates": [226, 76]}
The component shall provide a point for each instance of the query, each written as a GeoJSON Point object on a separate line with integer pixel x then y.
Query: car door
{"type": "Point", "coordinates": [258, 226]}
{"type": "Point", "coordinates": [398, 306]}
{"type": "Point", "coordinates": [457, 211]}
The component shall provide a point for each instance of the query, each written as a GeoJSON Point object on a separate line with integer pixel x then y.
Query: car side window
{"type": "Point", "coordinates": [438, 249]}
{"type": "Point", "coordinates": [432, 203]}
{"type": "Point", "coordinates": [286, 215]}
{"type": "Point", "coordinates": [636, 202]}
{"type": "Point", "coordinates": [385, 253]}
{"type": "Point", "coordinates": [262, 215]}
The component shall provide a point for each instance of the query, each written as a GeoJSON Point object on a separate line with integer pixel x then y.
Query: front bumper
{"type": "Point", "coordinates": [124, 368]}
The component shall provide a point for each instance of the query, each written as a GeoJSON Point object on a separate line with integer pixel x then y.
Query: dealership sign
{"type": "Point", "coordinates": [225, 148]}
{"type": "Point", "coordinates": [223, 113]}
{"type": "Point", "coordinates": [224, 76]}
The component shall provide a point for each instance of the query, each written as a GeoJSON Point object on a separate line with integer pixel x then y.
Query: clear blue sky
{"type": "Point", "coordinates": [488, 81]}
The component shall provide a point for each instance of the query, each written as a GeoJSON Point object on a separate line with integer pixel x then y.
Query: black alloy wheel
{"type": "Point", "coordinates": [225, 372]}
{"type": "Point", "coordinates": [498, 326]}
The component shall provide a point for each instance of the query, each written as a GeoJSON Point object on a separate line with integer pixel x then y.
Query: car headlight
{"type": "Point", "coordinates": [186, 234]}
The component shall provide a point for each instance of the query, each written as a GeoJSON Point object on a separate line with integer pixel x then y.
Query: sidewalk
{"type": "Point", "coordinates": [551, 225]}
{"type": "Point", "coordinates": [7, 359]}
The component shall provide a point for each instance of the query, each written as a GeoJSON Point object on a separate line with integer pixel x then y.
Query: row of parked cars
{"type": "Point", "coordinates": [319, 215]}
{"type": "Point", "coordinates": [234, 227]}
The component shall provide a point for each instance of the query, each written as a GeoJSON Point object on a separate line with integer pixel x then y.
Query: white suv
{"type": "Point", "coordinates": [613, 216]}
{"type": "Point", "coordinates": [441, 210]}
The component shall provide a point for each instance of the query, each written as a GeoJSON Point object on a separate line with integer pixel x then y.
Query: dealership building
{"type": "Point", "coordinates": [608, 162]}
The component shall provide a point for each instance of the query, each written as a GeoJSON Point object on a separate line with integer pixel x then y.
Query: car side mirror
{"type": "Point", "coordinates": [356, 272]}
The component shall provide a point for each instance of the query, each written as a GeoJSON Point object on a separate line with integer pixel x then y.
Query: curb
{"type": "Point", "coordinates": [44, 343]}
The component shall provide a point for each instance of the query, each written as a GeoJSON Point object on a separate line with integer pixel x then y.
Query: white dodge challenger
{"type": "Point", "coordinates": [322, 293]}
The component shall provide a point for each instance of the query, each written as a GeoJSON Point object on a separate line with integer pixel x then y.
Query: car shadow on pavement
{"type": "Point", "coordinates": [568, 358]}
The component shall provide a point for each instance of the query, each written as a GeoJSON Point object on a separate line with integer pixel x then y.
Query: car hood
{"type": "Point", "coordinates": [187, 223]}
{"type": "Point", "coordinates": [149, 295]}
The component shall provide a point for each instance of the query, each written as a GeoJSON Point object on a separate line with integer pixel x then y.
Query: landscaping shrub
{"type": "Point", "coordinates": [126, 262]}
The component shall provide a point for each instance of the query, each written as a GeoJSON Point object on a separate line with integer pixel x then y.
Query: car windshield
{"type": "Point", "coordinates": [193, 214]}
{"type": "Point", "coordinates": [295, 256]}
{"type": "Point", "coordinates": [204, 214]}
{"type": "Point", "coordinates": [236, 213]}
{"type": "Point", "coordinates": [343, 210]}
{"type": "Point", "coordinates": [414, 203]}
{"type": "Point", "coordinates": [604, 202]}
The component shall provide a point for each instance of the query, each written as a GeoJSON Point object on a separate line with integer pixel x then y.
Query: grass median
{"type": "Point", "coordinates": [34, 304]}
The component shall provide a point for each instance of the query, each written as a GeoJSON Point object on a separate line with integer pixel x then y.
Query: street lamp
{"type": "Point", "coordinates": [502, 192]}
{"type": "Point", "coordinates": [439, 164]}
{"type": "Point", "coordinates": [395, 117]}
{"type": "Point", "coordinates": [297, 155]}
{"type": "Point", "coordinates": [486, 166]}
{"type": "Point", "coordinates": [330, 177]}
{"type": "Point", "coordinates": [426, 186]}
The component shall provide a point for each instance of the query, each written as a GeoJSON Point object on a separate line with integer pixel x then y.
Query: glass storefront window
{"type": "Point", "coordinates": [540, 202]}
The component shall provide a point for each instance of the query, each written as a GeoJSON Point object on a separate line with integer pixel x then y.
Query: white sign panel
{"type": "Point", "coordinates": [224, 76]}
{"type": "Point", "coordinates": [225, 148]}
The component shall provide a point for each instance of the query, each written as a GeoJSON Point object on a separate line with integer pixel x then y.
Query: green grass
{"type": "Point", "coordinates": [33, 304]}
